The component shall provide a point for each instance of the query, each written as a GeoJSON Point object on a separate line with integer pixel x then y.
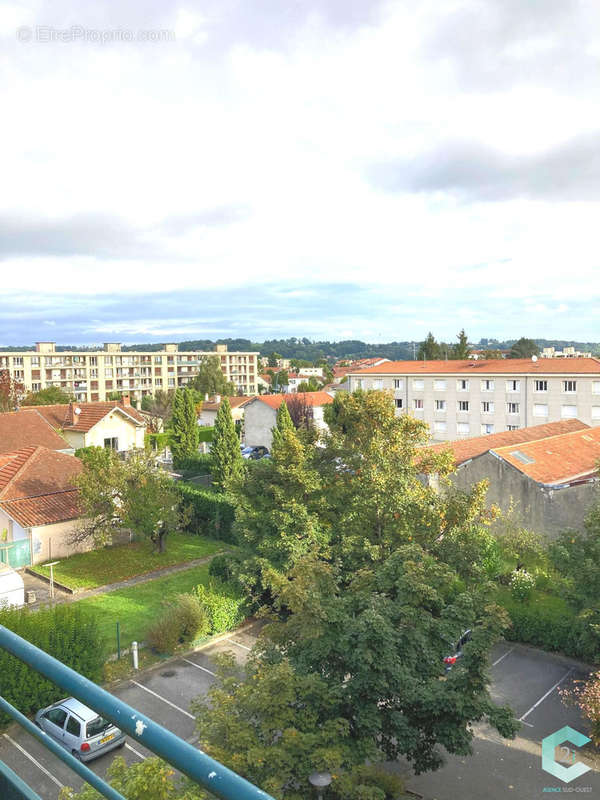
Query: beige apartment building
{"type": "Point", "coordinates": [469, 398]}
{"type": "Point", "coordinates": [93, 375]}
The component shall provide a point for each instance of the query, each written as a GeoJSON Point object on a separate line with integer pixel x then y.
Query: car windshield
{"type": "Point", "coordinates": [96, 726]}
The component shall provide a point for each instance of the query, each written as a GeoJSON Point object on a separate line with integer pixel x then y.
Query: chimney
{"type": "Point", "coordinates": [125, 401]}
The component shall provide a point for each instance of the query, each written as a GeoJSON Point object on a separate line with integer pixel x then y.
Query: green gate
{"type": "Point", "coordinates": [16, 554]}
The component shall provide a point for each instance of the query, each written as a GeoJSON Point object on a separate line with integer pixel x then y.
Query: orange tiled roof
{"type": "Point", "coordinates": [557, 459]}
{"type": "Point", "coordinates": [465, 449]}
{"type": "Point", "coordinates": [499, 366]}
{"type": "Point", "coordinates": [44, 510]}
{"type": "Point", "coordinates": [311, 398]}
{"type": "Point", "coordinates": [65, 417]}
{"type": "Point", "coordinates": [27, 428]}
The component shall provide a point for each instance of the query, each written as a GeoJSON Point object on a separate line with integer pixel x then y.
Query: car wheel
{"type": "Point", "coordinates": [76, 754]}
{"type": "Point", "coordinates": [122, 744]}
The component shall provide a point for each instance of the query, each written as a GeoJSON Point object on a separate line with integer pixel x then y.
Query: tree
{"type": "Point", "coordinates": [493, 354]}
{"type": "Point", "coordinates": [524, 348]}
{"type": "Point", "coordinates": [461, 349]}
{"type": "Point", "coordinates": [210, 379]}
{"type": "Point", "coordinates": [273, 359]}
{"type": "Point", "coordinates": [283, 421]}
{"type": "Point", "coordinates": [184, 427]}
{"type": "Point", "coordinates": [159, 405]}
{"type": "Point", "coordinates": [11, 391]}
{"type": "Point", "coordinates": [301, 411]}
{"type": "Point", "coordinates": [116, 495]}
{"type": "Point", "coordinates": [311, 385]}
{"type": "Point", "coordinates": [429, 349]}
{"type": "Point", "coordinates": [280, 380]}
{"type": "Point", "coordinates": [53, 395]}
{"type": "Point", "coordinates": [226, 457]}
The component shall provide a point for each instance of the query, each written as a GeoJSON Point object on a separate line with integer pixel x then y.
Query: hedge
{"type": "Point", "coordinates": [66, 633]}
{"type": "Point", "coordinates": [156, 441]}
{"type": "Point", "coordinates": [199, 464]}
{"type": "Point", "coordinates": [205, 434]}
{"type": "Point", "coordinates": [224, 604]}
{"type": "Point", "coordinates": [212, 513]}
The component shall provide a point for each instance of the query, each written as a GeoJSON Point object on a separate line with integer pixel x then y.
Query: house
{"type": "Point", "coordinates": [473, 397]}
{"type": "Point", "coordinates": [38, 505]}
{"type": "Point", "coordinates": [113, 424]}
{"type": "Point", "coordinates": [210, 408]}
{"type": "Point", "coordinates": [260, 414]}
{"type": "Point", "coordinates": [549, 472]}
{"type": "Point", "coordinates": [28, 428]}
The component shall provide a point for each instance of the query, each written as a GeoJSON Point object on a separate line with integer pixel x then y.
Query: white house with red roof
{"type": "Point", "coordinates": [260, 414]}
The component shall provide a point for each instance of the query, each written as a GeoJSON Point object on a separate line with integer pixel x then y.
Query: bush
{"type": "Point", "coordinates": [521, 585]}
{"type": "Point", "coordinates": [195, 465]}
{"type": "Point", "coordinates": [183, 621]}
{"type": "Point", "coordinates": [224, 567]}
{"type": "Point", "coordinates": [205, 434]}
{"type": "Point", "coordinates": [212, 513]}
{"type": "Point", "coordinates": [156, 441]}
{"type": "Point", "coordinates": [367, 782]}
{"type": "Point", "coordinates": [224, 604]}
{"type": "Point", "coordinates": [65, 632]}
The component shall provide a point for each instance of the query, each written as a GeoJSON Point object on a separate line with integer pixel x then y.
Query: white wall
{"type": "Point", "coordinates": [259, 420]}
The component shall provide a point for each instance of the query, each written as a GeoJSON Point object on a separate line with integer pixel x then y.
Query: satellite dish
{"type": "Point", "coordinates": [77, 410]}
{"type": "Point", "coordinates": [534, 358]}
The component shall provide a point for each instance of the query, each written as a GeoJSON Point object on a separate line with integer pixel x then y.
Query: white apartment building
{"type": "Point", "coordinates": [470, 398]}
{"type": "Point", "coordinates": [93, 375]}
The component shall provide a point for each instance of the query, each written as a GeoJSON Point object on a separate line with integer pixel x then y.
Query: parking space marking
{"type": "Point", "coordinates": [164, 699]}
{"type": "Point", "coordinates": [498, 660]}
{"type": "Point", "coordinates": [35, 761]}
{"type": "Point", "coordinates": [198, 666]}
{"type": "Point", "coordinates": [133, 750]}
{"type": "Point", "coordinates": [239, 644]}
{"type": "Point", "coordinates": [541, 700]}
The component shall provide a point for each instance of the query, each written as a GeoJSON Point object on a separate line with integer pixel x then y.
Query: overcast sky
{"type": "Point", "coordinates": [323, 168]}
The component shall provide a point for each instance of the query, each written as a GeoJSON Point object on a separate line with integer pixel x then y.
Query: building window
{"type": "Point", "coordinates": [569, 386]}
{"type": "Point", "coordinates": [512, 408]}
{"type": "Point", "coordinates": [540, 386]}
{"type": "Point", "coordinates": [378, 384]}
{"type": "Point", "coordinates": [171, 381]}
{"type": "Point", "coordinates": [595, 412]}
{"type": "Point", "coordinates": [93, 361]}
{"type": "Point", "coordinates": [108, 373]}
{"type": "Point", "coordinates": [568, 412]}
{"type": "Point", "coordinates": [418, 403]}
{"type": "Point", "coordinates": [540, 410]}
{"type": "Point", "coordinates": [595, 387]}
{"type": "Point", "coordinates": [462, 385]}
{"type": "Point", "coordinates": [487, 407]}
{"type": "Point", "coordinates": [398, 402]}
{"type": "Point", "coordinates": [513, 386]}
{"type": "Point", "coordinates": [158, 381]}
{"type": "Point", "coordinates": [36, 387]}
{"type": "Point", "coordinates": [487, 428]}
{"type": "Point", "coordinates": [35, 361]}
{"type": "Point", "coordinates": [439, 386]}
{"type": "Point", "coordinates": [487, 386]}
{"type": "Point", "coordinates": [398, 383]}
{"type": "Point", "coordinates": [439, 427]}
{"type": "Point", "coordinates": [112, 443]}
{"type": "Point", "coordinates": [463, 405]}
{"type": "Point", "coordinates": [512, 427]}
{"type": "Point", "coordinates": [462, 427]}
{"type": "Point", "coordinates": [440, 405]}
{"type": "Point", "coordinates": [360, 383]}
{"type": "Point", "coordinates": [418, 384]}
{"type": "Point", "coordinates": [17, 361]}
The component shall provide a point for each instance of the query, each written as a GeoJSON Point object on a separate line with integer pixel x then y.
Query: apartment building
{"type": "Point", "coordinates": [94, 375]}
{"type": "Point", "coordinates": [470, 398]}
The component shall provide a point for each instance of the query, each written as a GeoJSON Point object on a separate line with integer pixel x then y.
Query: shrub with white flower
{"type": "Point", "coordinates": [521, 584]}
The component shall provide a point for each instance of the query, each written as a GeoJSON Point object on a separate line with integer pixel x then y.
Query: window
{"type": "Point", "coordinates": [540, 386]}
{"type": "Point", "coordinates": [462, 385]}
{"type": "Point", "coordinates": [513, 386]}
{"type": "Point", "coordinates": [487, 428]}
{"type": "Point", "coordinates": [462, 427]}
{"type": "Point", "coordinates": [418, 403]}
{"type": "Point", "coordinates": [158, 381]}
{"type": "Point", "coordinates": [439, 427]}
{"type": "Point", "coordinates": [360, 383]}
{"type": "Point", "coordinates": [418, 384]}
{"type": "Point", "coordinates": [398, 383]}
{"type": "Point", "coordinates": [74, 726]}
{"type": "Point", "coordinates": [595, 387]}
{"type": "Point", "coordinates": [93, 361]}
{"type": "Point", "coordinates": [172, 382]}
{"type": "Point", "coordinates": [57, 716]}
{"type": "Point", "coordinates": [439, 386]}
{"type": "Point", "coordinates": [35, 361]}
{"type": "Point", "coordinates": [512, 427]}
{"type": "Point", "coordinates": [463, 405]}
{"type": "Point", "coordinates": [17, 361]}
{"type": "Point", "coordinates": [36, 387]}
{"type": "Point", "coordinates": [487, 386]}
{"type": "Point", "coordinates": [440, 405]}
{"type": "Point", "coordinates": [112, 443]}
{"type": "Point", "coordinates": [595, 412]}
{"type": "Point", "coordinates": [108, 373]}
{"type": "Point", "coordinates": [398, 402]}
{"type": "Point", "coordinates": [378, 384]}
{"type": "Point", "coordinates": [512, 408]}
{"type": "Point", "coordinates": [158, 359]}
{"type": "Point", "coordinates": [487, 407]}
{"type": "Point", "coordinates": [540, 410]}
{"type": "Point", "coordinates": [568, 412]}
{"type": "Point", "coordinates": [569, 386]}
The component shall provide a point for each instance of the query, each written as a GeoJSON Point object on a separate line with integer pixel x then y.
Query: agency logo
{"type": "Point", "coordinates": [549, 762]}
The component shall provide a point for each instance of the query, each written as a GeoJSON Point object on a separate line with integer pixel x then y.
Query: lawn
{"type": "Point", "coordinates": [111, 564]}
{"type": "Point", "coordinates": [137, 607]}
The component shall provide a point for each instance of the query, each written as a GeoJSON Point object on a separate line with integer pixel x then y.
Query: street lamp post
{"type": "Point", "coordinates": [320, 780]}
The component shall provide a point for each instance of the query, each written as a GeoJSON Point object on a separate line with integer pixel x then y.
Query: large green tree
{"type": "Point", "coordinates": [524, 348]}
{"type": "Point", "coordinates": [184, 427]}
{"type": "Point", "coordinates": [210, 379]}
{"type": "Point", "coordinates": [46, 397]}
{"type": "Point", "coordinates": [226, 458]}
{"type": "Point", "coordinates": [461, 349]}
{"type": "Point", "coordinates": [430, 349]}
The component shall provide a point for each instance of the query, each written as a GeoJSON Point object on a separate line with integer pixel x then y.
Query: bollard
{"type": "Point", "coordinates": [134, 653]}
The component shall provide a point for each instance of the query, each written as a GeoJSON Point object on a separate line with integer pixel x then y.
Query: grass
{"type": "Point", "coordinates": [109, 565]}
{"type": "Point", "coordinates": [137, 607]}
{"type": "Point", "coordinates": [542, 602]}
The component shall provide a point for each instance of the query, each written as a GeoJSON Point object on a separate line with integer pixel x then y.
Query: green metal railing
{"type": "Point", "coordinates": [213, 776]}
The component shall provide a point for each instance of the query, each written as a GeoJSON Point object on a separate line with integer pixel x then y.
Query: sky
{"type": "Point", "coordinates": [325, 168]}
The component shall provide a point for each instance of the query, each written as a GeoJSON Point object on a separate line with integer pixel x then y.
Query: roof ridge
{"type": "Point", "coordinates": [34, 496]}
{"type": "Point", "coordinates": [22, 467]}
{"type": "Point", "coordinates": [547, 438]}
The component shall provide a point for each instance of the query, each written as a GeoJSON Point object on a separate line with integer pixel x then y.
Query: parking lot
{"type": "Point", "coordinates": [523, 677]}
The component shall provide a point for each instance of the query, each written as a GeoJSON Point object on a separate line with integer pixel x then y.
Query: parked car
{"type": "Point", "coordinates": [255, 453]}
{"type": "Point", "coordinates": [79, 729]}
{"type": "Point", "coordinates": [450, 661]}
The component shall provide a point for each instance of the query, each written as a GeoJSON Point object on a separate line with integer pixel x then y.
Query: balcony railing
{"type": "Point", "coordinates": [203, 770]}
